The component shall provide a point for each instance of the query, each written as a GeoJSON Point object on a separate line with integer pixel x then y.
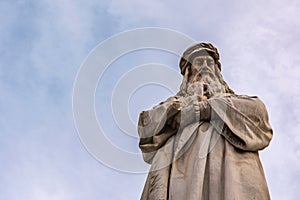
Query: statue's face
{"type": "Point", "coordinates": [202, 65]}
{"type": "Point", "coordinates": [203, 80]}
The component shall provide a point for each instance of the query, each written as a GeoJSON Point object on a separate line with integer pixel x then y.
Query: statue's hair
{"type": "Point", "coordinates": [187, 59]}
{"type": "Point", "coordinates": [197, 49]}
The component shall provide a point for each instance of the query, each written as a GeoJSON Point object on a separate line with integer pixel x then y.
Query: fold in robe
{"type": "Point", "coordinates": [216, 159]}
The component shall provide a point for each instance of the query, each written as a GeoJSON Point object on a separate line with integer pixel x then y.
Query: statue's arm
{"type": "Point", "coordinates": [242, 120]}
{"type": "Point", "coordinates": [153, 129]}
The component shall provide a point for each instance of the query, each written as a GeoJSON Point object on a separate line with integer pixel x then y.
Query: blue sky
{"type": "Point", "coordinates": [43, 44]}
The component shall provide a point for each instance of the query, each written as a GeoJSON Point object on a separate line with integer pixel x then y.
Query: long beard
{"type": "Point", "coordinates": [205, 86]}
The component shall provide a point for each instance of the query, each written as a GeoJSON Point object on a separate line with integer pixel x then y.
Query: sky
{"type": "Point", "coordinates": [44, 43]}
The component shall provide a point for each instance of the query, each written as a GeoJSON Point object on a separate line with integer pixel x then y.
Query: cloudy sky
{"type": "Point", "coordinates": [44, 43]}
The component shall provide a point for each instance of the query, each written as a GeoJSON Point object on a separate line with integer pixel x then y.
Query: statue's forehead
{"type": "Point", "coordinates": [200, 57]}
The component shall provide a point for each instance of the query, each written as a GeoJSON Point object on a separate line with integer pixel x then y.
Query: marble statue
{"type": "Point", "coordinates": [203, 142]}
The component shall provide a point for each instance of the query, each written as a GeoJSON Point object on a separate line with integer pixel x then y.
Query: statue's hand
{"type": "Point", "coordinates": [186, 110]}
{"type": "Point", "coordinates": [198, 89]}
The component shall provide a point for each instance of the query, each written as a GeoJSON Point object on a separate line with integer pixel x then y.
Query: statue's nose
{"type": "Point", "coordinates": [204, 64]}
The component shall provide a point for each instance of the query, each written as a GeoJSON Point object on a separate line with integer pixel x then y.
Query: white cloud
{"type": "Point", "coordinates": [40, 150]}
{"type": "Point", "coordinates": [258, 42]}
{"type": "Point", "coordinates": [259, 46]}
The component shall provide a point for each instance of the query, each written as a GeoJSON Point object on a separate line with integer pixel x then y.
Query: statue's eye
{"type": "Point", "coordinates": [210, 62]}
{"type": "Point", "coordinates": [199, 62]}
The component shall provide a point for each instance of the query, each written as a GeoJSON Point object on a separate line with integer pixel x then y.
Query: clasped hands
{"type": "Point", "coordinates": [186, 110]}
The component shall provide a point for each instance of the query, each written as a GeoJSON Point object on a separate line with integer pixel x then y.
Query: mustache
{"type": "Point", "coordinates": [205, 70]}
{"type": "Point", "coordinates": [203, 73]}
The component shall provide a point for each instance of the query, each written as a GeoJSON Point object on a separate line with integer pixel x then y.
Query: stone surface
{"type": "Point", "coordinates": [203, 142]}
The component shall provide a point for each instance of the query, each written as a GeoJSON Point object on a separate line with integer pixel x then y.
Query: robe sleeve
{"type": "Point", "coordinates": [152, 128]}
{"type": "Point", "coordinates": [242, 120]}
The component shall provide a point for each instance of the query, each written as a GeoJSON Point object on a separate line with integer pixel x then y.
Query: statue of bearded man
{"type": "Point", "coordinates": [203, 142]}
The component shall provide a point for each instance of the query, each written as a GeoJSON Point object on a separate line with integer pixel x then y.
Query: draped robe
{"type": "Point", "coordinates": [216, 159]}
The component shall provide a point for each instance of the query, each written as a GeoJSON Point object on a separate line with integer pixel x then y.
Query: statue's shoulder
{"type": "Point", "coordinates": [245, 96]}
{"type": "Point", "coordinates": [249, 98]}
{"type": "Point", "coordinates": [166, 102]}
{"type": "Point", "coordinates": [241, 96]}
